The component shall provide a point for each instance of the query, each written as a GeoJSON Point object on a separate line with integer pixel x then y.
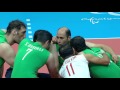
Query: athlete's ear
{"type": "Point", "coordinates": [69, 38]}
{"type": "Point", "coordinates": [14, 32]}
{"type": "Point", "coordinates": [73, 50]}
{"type": "Point", "coordinates": [46, 44]}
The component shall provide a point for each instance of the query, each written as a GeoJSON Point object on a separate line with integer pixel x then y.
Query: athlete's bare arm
{"type": "Point", "coordinates": [94, 59]}
{"type": "Point", "coordinates": [55, 54]}
{"type": "Point", "coordinates": [105, 48]}
{"type": "Point", "coordinates": [51, 67]}
{"type": "Point", "coordinates": [7, 53]}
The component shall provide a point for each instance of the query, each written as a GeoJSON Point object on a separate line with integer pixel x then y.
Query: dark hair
{"type": "Point", "coordinates": [68, 33]}
{"type": "Point", "coordinates": [65, 50]}
{"type": "Point", "coordinates": [15, 24]}
{"type": "Point", "coordinates": [42, 36]}
{"type": "Point", "coordinates": [78, 43]}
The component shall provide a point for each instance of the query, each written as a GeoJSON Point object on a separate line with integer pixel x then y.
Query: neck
{"type": "Point", "coordinates": [39, 43]}
{"type": "Point", "coordinates": [9, 39]}
{"type": "Point", "coordinates": [78, 53]}
{"type": "Point", "coordinates": [68, 56]}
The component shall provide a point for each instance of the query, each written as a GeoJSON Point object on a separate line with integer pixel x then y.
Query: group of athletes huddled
{"type": "Point", "coordinates": [65, 57]}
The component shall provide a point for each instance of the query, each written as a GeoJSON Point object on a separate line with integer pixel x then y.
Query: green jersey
{"type": "Point", "coordinates": [30, 57]}
{"type": "Point", "coordinates": [2, 40]}
{"type": "Point", "coordinates": [102, 71]}
{"type": "Point", "coordinates": [59, 57]}
{"type": "Point", "coordinates": [2, 32]}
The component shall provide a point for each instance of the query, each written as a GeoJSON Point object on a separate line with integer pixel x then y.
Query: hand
{"type": "Point", "coordinates": [115, 58]}
{"type": "Point", "coordinates": [54, 40]}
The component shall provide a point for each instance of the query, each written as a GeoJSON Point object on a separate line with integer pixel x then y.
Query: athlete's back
{"type": "Point", "coordinates": [75, 67]}
{"type": "Point", "coordinates": [30, 57]}
{"type": "Point", "coordinates": [102, 71]}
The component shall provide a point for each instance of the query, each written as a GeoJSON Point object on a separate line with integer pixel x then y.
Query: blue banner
{"type": "Point", "coordinates": [86, 24]}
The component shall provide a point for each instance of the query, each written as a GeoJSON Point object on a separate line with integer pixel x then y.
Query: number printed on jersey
{"type": "Point", "coordinates": [70, 69]}
{"type": "Point", "coordinates": [28, 51]}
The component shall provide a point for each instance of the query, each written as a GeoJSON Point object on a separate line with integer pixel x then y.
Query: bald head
{"type": "Point", "coordinates": [63, 35]}
{"type": "Point", "coordinates": [65, 31]}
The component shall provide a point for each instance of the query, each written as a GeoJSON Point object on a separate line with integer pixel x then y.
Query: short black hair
{"type": "Point", "coordinates": [42, 36]}
{"type": "Point", "coordinates": [78, 43]}
{"type": "Point", "coordinates": [15, 24]}
{"type": "Point", "coordinates": [65, 50]}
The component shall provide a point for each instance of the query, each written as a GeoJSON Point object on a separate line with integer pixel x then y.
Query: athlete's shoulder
{"type": "Point", "coordinates": [3, 39]}
{"type": "Point", "coordinates": [5, 46]}
{"type": "Point", "coordinates": [86, 50]}
{"type": "Point", "coordinates": [2, 32]}
{"type": "Point", "coordinates": [25, 40]}
{"type": "Point", "coordinates": [96, 48]}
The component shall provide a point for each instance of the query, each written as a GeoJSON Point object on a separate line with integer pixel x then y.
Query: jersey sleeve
{"type": "Point", "coordinates": [2, 32]}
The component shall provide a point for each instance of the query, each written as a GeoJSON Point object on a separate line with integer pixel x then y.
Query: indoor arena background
{"type": "Point", "coordinates": [97, 27]}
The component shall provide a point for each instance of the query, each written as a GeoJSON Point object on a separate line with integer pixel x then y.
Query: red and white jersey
{"type": "Point", "coordinates": [75, 67]}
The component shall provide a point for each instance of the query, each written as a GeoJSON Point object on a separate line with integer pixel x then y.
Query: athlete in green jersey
{"type": "Point", "coordinates": [111, 70]}
{"type": "Point", "coordinates": [14, 34]}
{"type": "Point", "coordinates": [31, 56]}
{"type": "Point", "coordinates": [101, 71]}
